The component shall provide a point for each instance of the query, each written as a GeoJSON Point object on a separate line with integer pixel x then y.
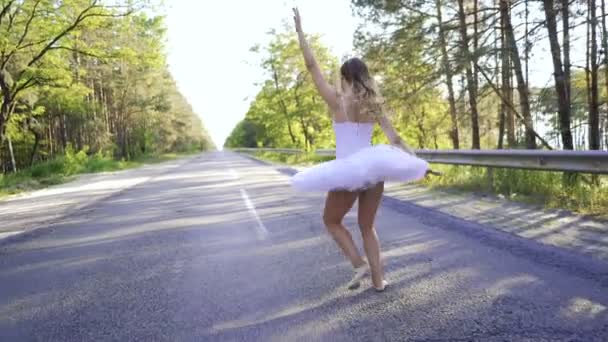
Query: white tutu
{"type": "Point", "coordinates": [362, 169]}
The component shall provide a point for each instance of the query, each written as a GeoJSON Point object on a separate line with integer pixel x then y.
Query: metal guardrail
{"type": "Point", "coordinates": [266, 149]}
{"type": "Point", "coordinates": [595, 162]}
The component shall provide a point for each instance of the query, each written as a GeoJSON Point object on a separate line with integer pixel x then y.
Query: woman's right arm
{"type": "Point", "coordinates": [379, 110]}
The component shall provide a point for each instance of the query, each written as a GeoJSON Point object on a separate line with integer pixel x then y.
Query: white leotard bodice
{"type": "Point", "coordinates": [352, 136]}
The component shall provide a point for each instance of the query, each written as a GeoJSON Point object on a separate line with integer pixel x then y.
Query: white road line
{"type": "Point", "coordinates": [261, 230]}
{"type": "Point", "coordinates": [9, 234]}
{"type": "Point", "coordinates": [233, 174]}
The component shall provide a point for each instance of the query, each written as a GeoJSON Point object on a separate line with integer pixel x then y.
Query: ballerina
{"type": "Point", "coordinates": [360, 169]}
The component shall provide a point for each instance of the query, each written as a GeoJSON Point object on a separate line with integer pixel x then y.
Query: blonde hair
{"type": "Point", "coordinates": [369, 101]}
{"type": "Point", "coordinates": [366, 101]}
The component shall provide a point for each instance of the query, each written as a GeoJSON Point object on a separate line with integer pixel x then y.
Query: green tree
{"type": "Point", "coordinates": [91, 77]}
{"type": "Point", "coordinates": [288, 111]}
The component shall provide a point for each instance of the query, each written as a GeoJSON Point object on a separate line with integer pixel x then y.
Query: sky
{"type": "Point", "coordinates": [208, 49]}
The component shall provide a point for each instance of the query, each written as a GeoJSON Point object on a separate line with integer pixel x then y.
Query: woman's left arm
{"type": "Point", "coordinates": [392, 134]}
{"type": "Point", "coordinates": [378, 109]}
{"type": "Point", "coordinates": [328, 93]}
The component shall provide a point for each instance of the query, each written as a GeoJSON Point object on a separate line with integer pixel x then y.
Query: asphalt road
{"type": "Point", "coordinates": [222, 249]}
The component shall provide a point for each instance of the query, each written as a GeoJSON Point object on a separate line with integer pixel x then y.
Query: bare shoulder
{"type": "Point", "coordinates": [371, 109]}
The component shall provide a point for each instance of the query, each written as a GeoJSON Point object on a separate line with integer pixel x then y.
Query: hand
{"type": "Point", "coordinates": [297, 19]}
{"type": "Point", "coordinates": [434, 173]}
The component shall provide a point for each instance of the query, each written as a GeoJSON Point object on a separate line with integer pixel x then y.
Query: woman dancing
{"type": "Point", "coordinates": [360, 169]}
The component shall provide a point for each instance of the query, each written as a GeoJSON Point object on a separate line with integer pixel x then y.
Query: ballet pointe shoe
{"type": "Point", "coordinates": [381, 288]}
{"type": "Point", "coordinates": [360, 273]}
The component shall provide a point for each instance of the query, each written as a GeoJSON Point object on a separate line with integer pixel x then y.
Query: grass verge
{"type": "Point", "coordinates": [63, 169]}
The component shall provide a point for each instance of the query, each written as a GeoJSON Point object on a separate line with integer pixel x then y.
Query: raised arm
{"type": "Point", "coordinates": [328, 93]}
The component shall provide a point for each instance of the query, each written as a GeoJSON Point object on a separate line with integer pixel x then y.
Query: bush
{"type": "Point", "coordinates": [48, 168]}
{"type": "Point", "coordinates": [75, 162]}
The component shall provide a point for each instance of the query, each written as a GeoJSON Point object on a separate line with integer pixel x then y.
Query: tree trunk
{"type": "Point", "coordinates": [559, 76]}
{"type": "Point", "coordinates": [527, 41]}
{"type": "Point", "coordinates": [50, 136]}
{"type": "Point", "coordinates": [123, 143]}
{"type": "Point", "coordinates": [594, 115]}
{"type": "Point", "coordinates": [104, 106]}
{"type": "Point", "coordinates": [5, 108]}
{"type": "Point", "coordinates": [587, 74]}
{"type": "Point", "coordinates": [501, 127]}
{"type": "Point", "coordinates": [448, 78]}
{"type": "Point", "coordinates": [474, 55]}
{"type": "Point", "coordinates": [64, 132]}
{"type": "Point", "coordinates": [497, 71]}
{"type": "Point", "coordinates": [606, 133]}
{"type": "Point", "coordinates": [566, 40]}
{"type": "Point", "coordinates": [307, 139]}
{"type": "Point", "coordinates": [126, 146]}
{"type": "Point", "coordinates": [522, 87]}
{"type": "Point", "coordinates": [507, 88]}
{"type": "Point", "coordinates": [110, 110]}
{"type": "Point", "coordinates": [605, 48]}
{"type": "Point", "coordinates": [37, 138]}
{"type": "Point", "coordinates": [12, 154]}
{"type": "Point", "coordinates": [472, 90]}
{"type": "Point", "coordinates": [283, 106]}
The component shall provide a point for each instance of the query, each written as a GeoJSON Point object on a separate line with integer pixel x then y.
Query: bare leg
{"type": "Point", "coordinates": [369, 201]}
{"type": "Point", "coordinates": [337, 204]}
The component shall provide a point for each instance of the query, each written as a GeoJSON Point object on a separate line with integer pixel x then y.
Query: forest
{"type": "Point", "coordinates": [87, 80]}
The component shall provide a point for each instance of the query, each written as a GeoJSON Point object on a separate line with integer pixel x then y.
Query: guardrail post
{"type": "Point", "coordinates": [490, 179]}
